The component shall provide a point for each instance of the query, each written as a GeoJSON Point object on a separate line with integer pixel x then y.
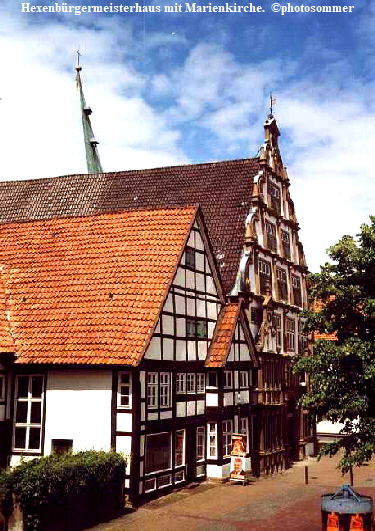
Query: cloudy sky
{"type": "Point", "coordinates": [171, 88]}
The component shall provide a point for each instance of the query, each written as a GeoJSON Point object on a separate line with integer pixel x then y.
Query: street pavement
{"type": "Point", "coordinates": [277, 503]}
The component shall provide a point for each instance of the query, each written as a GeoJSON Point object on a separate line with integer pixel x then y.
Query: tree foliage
{"type": "Point", "coordinates": [342, 372]}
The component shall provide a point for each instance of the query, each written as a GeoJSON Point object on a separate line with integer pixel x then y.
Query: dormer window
{"type": "Point", "coordinates": [271, 236]}
{"type": "Point", "coordinates": [274, 197]}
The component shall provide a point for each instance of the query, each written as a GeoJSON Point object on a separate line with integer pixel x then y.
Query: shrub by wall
{"type": "Point", "coordinates": [65, 493]}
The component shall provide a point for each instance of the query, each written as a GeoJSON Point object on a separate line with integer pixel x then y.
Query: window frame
{"type": "Point", "coordinates": [169, 467]}
{"type": "Point", "coordinates": [274, 194]}
{"type": "Point", "coordinates": [152, 397]}
{"type": "Point", "coordinates": [190, 258]}
{"type": "Point", "coordinates": [297, 290]}
{"type": "Point", "coordinates": [120, 395]}
{"type": "Point", "coordinates": [165, 390]}
{"type": "Point", "coordinates": [265, 274]}
{"type": "Point", "coordinates": [200, 382]}
{"type": "Point", "coordinates": [183, 453]}
{"type": "Point", "coordinates": [200, 442]}
{"type": "Point", "coordinates": [2, 387]}
{"type": "Point", "coordinates": [212, 440]}
{"type": "Point", "coordinates": [241, 376]}
{"type": "Point", "coordinates": [228, 379]}
{"type": "Point", "coordinates": [285, 241]}
{"type": "Point", "coordinates": [278, 327]}
{"type": "Point", "coordinates": [181, 383]}
{"type": "Point", "coordinates": [227, 428]}
{"type": "Point", "coordinates": [271, 236]}
{"type": "Point", "coordinates": [290, 328]}
{"type": "Point", "coordinates": [190, 383]}
{"type": "Point", "coordinates": [28, 425]}
{"type": "Point", "coordinates": [282, 284]}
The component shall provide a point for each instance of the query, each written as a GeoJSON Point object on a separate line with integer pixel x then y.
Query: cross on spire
{"type": "Point", "coordinates": [272, 102]}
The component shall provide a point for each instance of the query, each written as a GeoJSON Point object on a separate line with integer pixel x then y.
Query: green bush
{"type": "Point", "coordinates": [52, 485]}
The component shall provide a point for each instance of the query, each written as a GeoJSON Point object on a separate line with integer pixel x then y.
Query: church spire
{"type": "Point", "coordinates": [91, 145]}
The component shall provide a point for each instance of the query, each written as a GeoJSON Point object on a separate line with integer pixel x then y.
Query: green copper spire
{"type": "Point", "coordinates": [92, 155]}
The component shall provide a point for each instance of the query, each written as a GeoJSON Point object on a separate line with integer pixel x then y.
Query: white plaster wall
{"type": "Point", "coordinates": [78, 407]}
{"type": "Point", "coordinates": [212, 399]}
{"type": "Point", "coordinates": [124, 421]}
{"type": "Point", "coordinates": [153, 351]}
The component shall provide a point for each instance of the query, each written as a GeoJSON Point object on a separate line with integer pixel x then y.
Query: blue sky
{"type": "Point", "coordinates": [171, 88]}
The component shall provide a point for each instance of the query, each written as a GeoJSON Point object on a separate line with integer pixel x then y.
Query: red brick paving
{"type": "Point", "coordinates": [278, 503]}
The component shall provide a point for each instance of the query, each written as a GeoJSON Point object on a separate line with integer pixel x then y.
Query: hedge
{"type": "Point", "coordinates": [68, 492]}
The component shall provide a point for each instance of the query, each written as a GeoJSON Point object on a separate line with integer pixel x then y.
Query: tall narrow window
{"type": "Point", "coordinates": [282, 284]}
{"type": "Point", "coordinates": [124, 391]}
{"type": "Point", "coordinates": [211, 379]}
{"type": "Point", "coordinates": [290, 334]}
{"type": "Point", "coordinates": [264, 276]}
{"type": "Point", "coordinates": [190, 257]}
{"type": "Point", "coordinates": [285, 239]}
{"type": "Point", "coordinates": [256, 315]}
{"type": "Point", "coordinates": [181, 383]}
{"type": "Point", "coordinates": [243, 425]}
{"type": "Point", "coordinates": [200, 382]}
{"type": "Point", "coordinates": [278, 329]}
{"type": "Point", "coordinates": [227, 436]}
{"type": "Point", "coordinates": [228, 379]}
{"type": "Point", "coordinates": [212, 439]}
{"type": "Point", "coordinates": [152, 390]}
{"type": "Point", "coordinates": [271, 236]}
{"type": "Point", "coordinates": [297, 296]}
{"type": "Point", "coordinates": [2, 387]}
{"type": "Point", "coordinates": [179, 448]}
{"type": "Point", "coordinates": [200, 450]}
{"type": "Point", "coordinates": [274, 197]}
{"type": "Point", "coordinates": [165, 389]}
{"type": "Point", "coordinates": [244, 379]}
{"type": "Point", "coordinates": [28, 413]}
{"type": "Point", "coordinates": [190, 382]}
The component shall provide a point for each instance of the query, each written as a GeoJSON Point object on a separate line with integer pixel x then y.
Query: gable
{"type": "Point", "coordinates": [193, 304]}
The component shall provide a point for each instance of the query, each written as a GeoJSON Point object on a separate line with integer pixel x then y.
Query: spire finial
{"type": "Point", "coordinates": [78, 67]}
{"type": "Point", "coordinates": [272, 103]}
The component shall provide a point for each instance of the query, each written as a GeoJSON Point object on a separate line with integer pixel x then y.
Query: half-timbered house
{"type": "Point", "coordinates": [121, 338]}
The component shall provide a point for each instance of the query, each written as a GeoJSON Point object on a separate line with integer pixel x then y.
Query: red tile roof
{"type": "Point", "coordinates": [88, 290]}
{"type": "Point", "coordinates": [6, 340]}
{"type": "Point", "coordinates": [223, 190]}
{"type": "Point", "coordinates": [222, 338]}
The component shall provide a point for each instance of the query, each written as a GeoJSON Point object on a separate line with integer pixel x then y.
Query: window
{"type": "Point", "coordinates": [181, 383]}
{"type": "Point", "coordinates": [28, 413]}
{"type": "Point", "coordinates": [165, 389]}
{"type": "Point", "coordinates": [228, 379]}
{"type": "Point", "coordinates": [190, 382]}
{"type": "Point", "coordinates": [158, 452]}
{"type": "Point", "coordinates": [200, 382]}
{"type": "Point", "coordinates": [212, 379]}
{"type": "Point", "coordinates": [256, 315]}
{"type": "Point", "coordinates": [227, 436]}
{"type": "Point", "coordinates": [274, 197]}
{"type": "Point", "coordinates": [296, 285]}
{"type": "Point", "coordinates": [212, 439]}
{"type": "Point", "coordinates": [282, 284]}
{"type": "Point", "coordinates": [285, 240]}
{"type": "Point", "coordinates": [200, 443]}
{"type": "Point", "coordinates": [124, 391]}
{"type": "Point", "coordinates": [264, 276]}
{"type": "Point", "coordinates": [2, 387]}
{"type": "Point", "coordinates": [179, 448]}
{"type": "Point", "coordinates": [271, 236]}
{"type": "Point", "coordinates": [290, 333]}
{"type": "Point", "coordinates": [196, 328]}
{"type": "Point", "coordinates": [278, 329]}
{"type": "Point", "coordinates": [152, 390]}
{"type": "Point", "coordinates": [190, 257]}
{"type": "Point", "coordinates": [62, 446]}
{"type": "Point", "coordinates": [244, 379]}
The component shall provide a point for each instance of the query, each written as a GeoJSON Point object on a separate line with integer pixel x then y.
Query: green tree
{"type": "Point", "coordinates": [342, 372]}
